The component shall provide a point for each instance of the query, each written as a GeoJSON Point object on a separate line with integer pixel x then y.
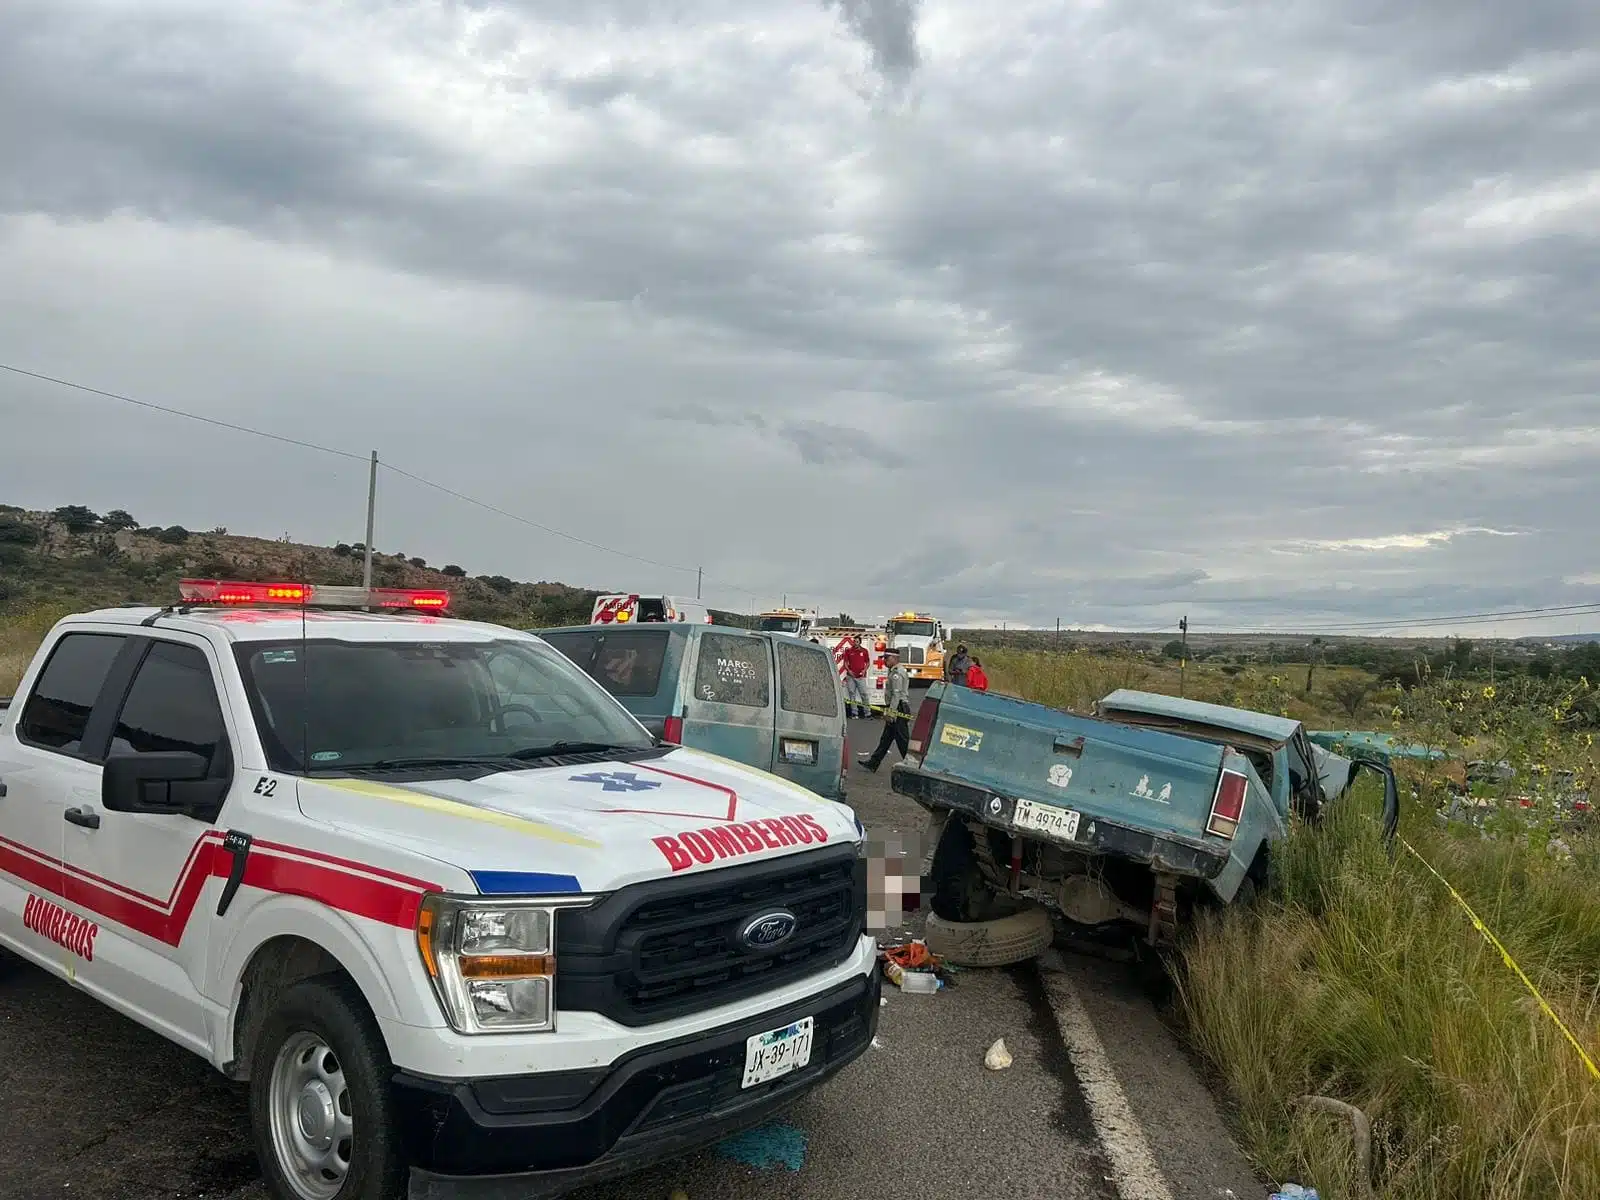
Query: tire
{"type": "Point", "coordinates": [321, 1048]}
{"type": "Point", "coordinates": [960, 892]}
{"type": "Point", "coordinates": [996, 943]}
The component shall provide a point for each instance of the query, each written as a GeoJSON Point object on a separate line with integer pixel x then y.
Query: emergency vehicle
{"type": "Point", "coordinates": [787, 620]}
{"type": "Point", "coordinates": [836, 638]}
{"type": "Point", "coordinates": [920, 638]}
{"type": "Point", "coordinates": [456, 920]}
{"type": "Point", "coordinates": [622, 607]}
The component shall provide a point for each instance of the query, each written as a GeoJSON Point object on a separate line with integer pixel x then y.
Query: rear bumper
{"type": "Point", "coordinates": [1160, 852]}
{"type": "Point", "coordinates": [530, 1137]}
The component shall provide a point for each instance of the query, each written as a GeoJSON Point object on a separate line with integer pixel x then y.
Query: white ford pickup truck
{"type": "Point", "coordinates": [462, 925]}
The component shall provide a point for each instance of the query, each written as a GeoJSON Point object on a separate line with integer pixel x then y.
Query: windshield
{"type": "Point", "coordinates": [780, 625]}
{"type": "Point", "coordinates": [349, 705]}
{"type": "Point", "coordinates": [913, 628]}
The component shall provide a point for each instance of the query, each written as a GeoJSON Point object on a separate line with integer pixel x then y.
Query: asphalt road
{"type": "Point", "coordinates": [1100, 1101]}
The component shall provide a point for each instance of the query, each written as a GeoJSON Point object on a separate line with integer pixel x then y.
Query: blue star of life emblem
{"type": "Point", "coordinates": [616, 781]}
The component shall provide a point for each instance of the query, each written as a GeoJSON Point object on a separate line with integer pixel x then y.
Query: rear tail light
{"type": "Point", "coordinates": [1580, 805]}
{"type": "Point", "coordinates": [672, 730]}
{"type": "Point", "coordinates": [1228, 804]}
{"type": "Point", "coordinates": [922, 727]}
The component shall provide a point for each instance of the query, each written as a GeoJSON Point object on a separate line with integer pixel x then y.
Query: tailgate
{"type": "Point", "coordinates": [1139, 778]}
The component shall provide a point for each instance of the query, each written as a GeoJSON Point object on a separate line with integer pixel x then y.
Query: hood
{"type": "Point", "coordinates": [590, 828]}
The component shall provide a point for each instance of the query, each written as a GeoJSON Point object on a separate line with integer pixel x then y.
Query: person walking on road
{"type": "Point", "coordinates": [856, 662]}
{"type": "Point", "coordinates": [955, 670]}
{"type": "Point", "coordinates": [976, 679]}
{"type": "Point", "coordinates": [896, 713]}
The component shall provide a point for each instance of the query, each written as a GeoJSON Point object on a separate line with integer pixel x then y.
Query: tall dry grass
{"type": "Point", "coordinates": [1361, 979]}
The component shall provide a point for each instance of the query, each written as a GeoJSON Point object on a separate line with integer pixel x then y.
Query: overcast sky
{"type": "Point", "coordinates": [1276, 314]}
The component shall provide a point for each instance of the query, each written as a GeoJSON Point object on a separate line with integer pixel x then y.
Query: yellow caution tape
{"type": "Point", "coordinates": [1488, 936]}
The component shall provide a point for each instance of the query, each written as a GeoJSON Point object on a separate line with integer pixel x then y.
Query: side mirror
{"type": "Point", "coordinates": [167, 783]}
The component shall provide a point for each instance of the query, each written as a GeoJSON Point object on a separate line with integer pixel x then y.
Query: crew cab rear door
{"type": "Point", "coordinates": [143, 873]}
{"type": "Point", "coordinates": [51, 742]}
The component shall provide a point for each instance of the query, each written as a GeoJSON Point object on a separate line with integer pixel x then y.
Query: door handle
{"type": "Point", "coordinates": [86, 817]}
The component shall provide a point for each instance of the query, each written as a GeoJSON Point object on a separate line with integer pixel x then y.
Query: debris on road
{"type": "Point", "coordinates": [997, 1057]}
{"type": "Point", "coordinates": [912, 968]}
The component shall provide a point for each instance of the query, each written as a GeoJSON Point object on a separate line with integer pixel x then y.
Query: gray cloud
{"type": "Point", "coordinates": [889, 29]}
{"type": "Point", "coordinates": [1255, 312]}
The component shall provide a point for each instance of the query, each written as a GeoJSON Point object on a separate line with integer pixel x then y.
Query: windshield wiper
{"type": "Point", "coordinates": [425, 761]}
{"type": "Point", "coordinates": [555, 748]}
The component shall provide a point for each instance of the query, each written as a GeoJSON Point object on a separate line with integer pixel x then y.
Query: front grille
{"type": "Point", "coordinates": [670, 947]}
{"type": "Point", "coordinates": [912, 656]}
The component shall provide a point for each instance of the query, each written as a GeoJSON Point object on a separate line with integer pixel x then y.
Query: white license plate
{"type": "Point", "coordinates": [1046, 818]}
{"type": "Point", "coordinates": [769, 1055]}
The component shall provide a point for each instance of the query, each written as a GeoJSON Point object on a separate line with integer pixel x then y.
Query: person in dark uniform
{"type": "Point", "coordinates": [896, 713]}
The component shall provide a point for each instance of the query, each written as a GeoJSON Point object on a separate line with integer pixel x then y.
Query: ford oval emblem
{"type": "Point", "coordinates": [769, 930]}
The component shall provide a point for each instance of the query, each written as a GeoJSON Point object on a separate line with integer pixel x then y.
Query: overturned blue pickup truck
{"type": "Point", "coordinates": [1135, 816]}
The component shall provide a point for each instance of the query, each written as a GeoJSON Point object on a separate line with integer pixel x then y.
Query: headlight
{"type": "Point", "coordinates": [492, 963]}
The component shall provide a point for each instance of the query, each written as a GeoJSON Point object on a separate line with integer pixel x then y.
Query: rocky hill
{"type": "Point", "coordinates": [73, 558]}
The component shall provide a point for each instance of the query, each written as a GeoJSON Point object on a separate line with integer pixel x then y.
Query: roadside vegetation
{"type": "Point", "coordinates": [1358, 977]}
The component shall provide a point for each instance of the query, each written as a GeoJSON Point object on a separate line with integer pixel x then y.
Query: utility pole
{"type": "Point", "coordinates": [1491, 664]}
{"type": "Point", "coordinates": [699, 578]}
{"type": "Point", "coordinates": [1311, 662]}
{"type": "Point", "coordinates": [1183, 654]}
{"type": "Point", "coordinates": [1058, 633]}
{"type": "Point", "coordinates": [372, 504]}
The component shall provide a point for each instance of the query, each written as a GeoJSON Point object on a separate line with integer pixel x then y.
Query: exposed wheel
{"type": "Point", "coordinates": [994, 943]}
{"type": "Point", "coordinates": [320, 1105]}
{"type": "Point", "coordinates": [960, 892]}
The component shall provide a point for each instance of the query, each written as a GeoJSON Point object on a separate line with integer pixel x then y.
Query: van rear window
{"type": "Point", "coordinates": [626, 662]}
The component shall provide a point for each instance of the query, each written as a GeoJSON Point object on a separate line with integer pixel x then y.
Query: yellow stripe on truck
{"type": "Point", "coordinates": [458, 808]}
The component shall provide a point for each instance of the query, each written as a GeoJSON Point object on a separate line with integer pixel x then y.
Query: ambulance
{"type": "Point", "coordinates": [620, 608]}
{"type": "Point", "coordinates": [836, 640]}
{"type": "Point", "coordinates": [455, 920]}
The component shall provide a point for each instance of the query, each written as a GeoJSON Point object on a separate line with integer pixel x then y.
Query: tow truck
{"type": "Point", "coordinates": [457, 922]}
{"type": "Point", "coordinates": [920, 638]}
{"type": "Point", "coordinates": [787, 620]}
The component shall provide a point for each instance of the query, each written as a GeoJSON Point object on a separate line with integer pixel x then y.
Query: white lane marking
{"type": "Point", "coordinates": [1133, 1167]}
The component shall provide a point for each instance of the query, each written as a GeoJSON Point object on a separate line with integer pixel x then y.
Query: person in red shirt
{"type": "Point", "coordinates": [856, 662]}
{"type": "Point", "coordinates": [976, 679]}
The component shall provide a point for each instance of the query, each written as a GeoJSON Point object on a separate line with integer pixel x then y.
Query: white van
{"type": "Point", "coordinates": [630, 608]}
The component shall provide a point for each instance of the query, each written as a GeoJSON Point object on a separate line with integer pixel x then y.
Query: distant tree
{"type": "Point", "coordinates": [1350, 692]}
{"type": "Point", "coordinates": [18, 533]}
{"type": "Point", "coordinates": [453, 571]}
{"type": "Point", "coordinates": [1173, 649]}
{"type": "Point", "coordinates": [419, 562]}
{"type": "Point", "coordinates": [498, 582]}
{"type": "Point", "coordinates": [76, 518]}
{"type": "Point", "coordinates": [117, 520]}
{"type": "Point", "coordinates": [220, 531]}
{"type": "Point", "coordinates": [173, 535]}
{"type": "Point", "coordinates": [343, 550]}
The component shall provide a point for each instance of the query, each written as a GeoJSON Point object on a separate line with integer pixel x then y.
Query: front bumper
{"type": "Point", "coordinates": [1160, 852]}
{"type": "Point", "coordinates": [530, 1137]}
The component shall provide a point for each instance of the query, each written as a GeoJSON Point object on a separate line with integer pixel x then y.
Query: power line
{"type": "Point", "coordinates": [571, 537]}
{"type": "Point", "coordinates": [363, 458]}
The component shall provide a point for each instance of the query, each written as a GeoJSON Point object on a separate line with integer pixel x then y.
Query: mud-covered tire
{"type": "Point", "coordinates": [997, 943]}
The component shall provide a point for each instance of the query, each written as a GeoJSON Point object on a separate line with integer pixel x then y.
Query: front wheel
{"type": "Point", "coordinates": [320, 1105]}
